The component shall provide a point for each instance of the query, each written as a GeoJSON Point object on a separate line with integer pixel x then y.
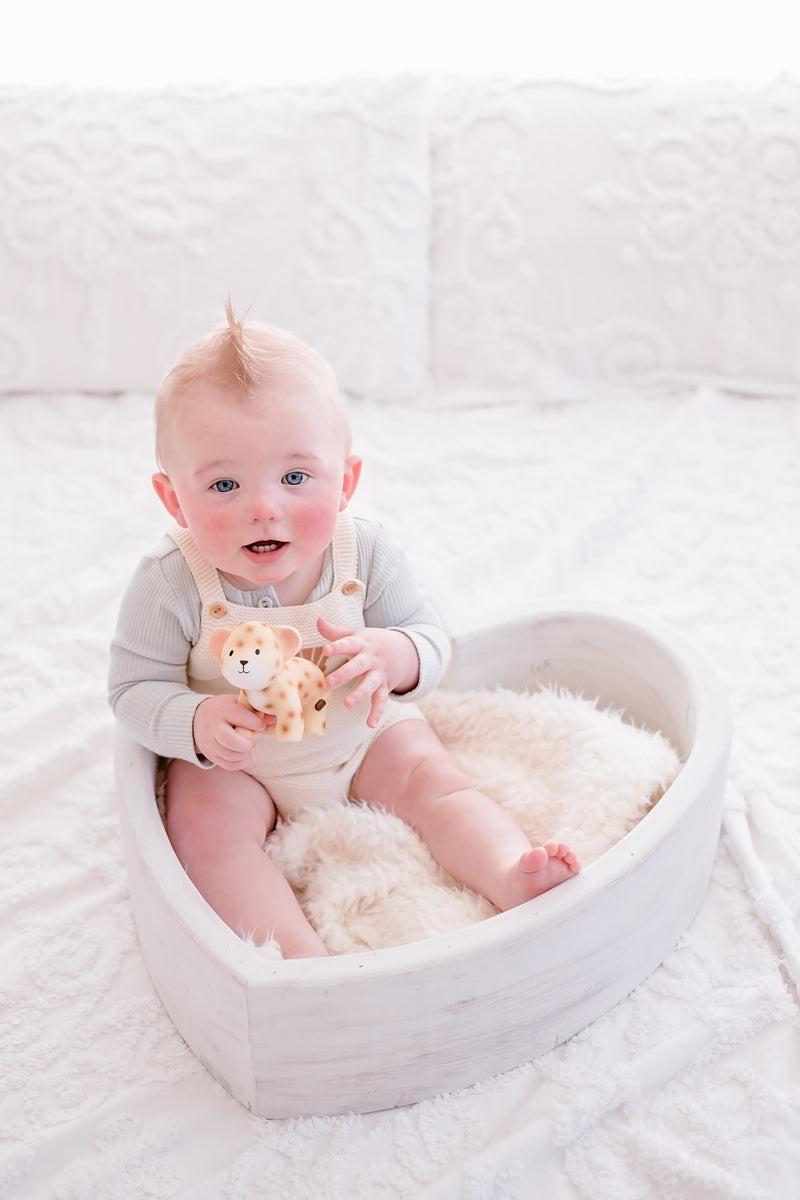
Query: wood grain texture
{"type": "Point", "coordinates": [368, 1031]}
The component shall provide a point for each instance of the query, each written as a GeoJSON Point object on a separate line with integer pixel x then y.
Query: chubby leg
{"type": "Point", "coordinates": [408, 770]}
{"type": "Point", "coordinates": [217, 822]}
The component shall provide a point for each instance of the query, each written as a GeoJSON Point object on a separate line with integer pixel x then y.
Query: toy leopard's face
{"type": "Point", "coordinates": [252, 654]}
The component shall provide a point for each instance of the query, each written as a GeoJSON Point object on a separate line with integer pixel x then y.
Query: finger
{"type": "Point", "coordinates": [234, 741]}
{"type": "Point", "coordinates": [248, 718]}
{"type": "Point", "coordinates": [369, 684]}
{"type": "Point", "coordinates": [349, 670]}
{"type": "Point", "coordinates": [245, 718]}
{"type": "Point", "coordinates": [262, 718]}
{"type": "Point", "coordinates": [345, 645]}
{"type": "Point", "coordinates": [329, 630]}
{"type": "Point", "coordinates": [344, 672]}
{"type": "Point", "coordinates": [378, 705]}
{"type": "Point", "coordinates": [231, 759]}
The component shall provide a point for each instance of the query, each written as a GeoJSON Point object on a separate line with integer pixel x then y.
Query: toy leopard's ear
{"type": "Point", "coordinates": [289, 639]}
{"type": "Point", "coordinates": [217, 640]}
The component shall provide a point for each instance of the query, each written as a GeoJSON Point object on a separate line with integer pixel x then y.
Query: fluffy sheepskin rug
{"type": "Point", "coordinates": [563, 768]}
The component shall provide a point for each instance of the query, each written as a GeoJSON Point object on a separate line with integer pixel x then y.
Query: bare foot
{"type": "Point", "coordinates": [541, 869]}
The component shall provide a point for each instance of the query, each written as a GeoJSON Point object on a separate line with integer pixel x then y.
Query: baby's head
{"type": "Point", "coordinates": [253, 445]}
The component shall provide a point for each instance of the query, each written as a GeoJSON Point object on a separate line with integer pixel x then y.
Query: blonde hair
{"type": "Point", "coordinates": [242, 358]}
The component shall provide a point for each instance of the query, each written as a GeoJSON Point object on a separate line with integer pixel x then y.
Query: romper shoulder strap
{"type": "Point", "coordinates": [205, 575]}
{"type": "Point", "coordinates": [345, 549]}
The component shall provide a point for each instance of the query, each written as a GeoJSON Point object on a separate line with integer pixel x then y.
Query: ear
{"type": "Point", "coordinates": [288, 639]}
{"type": "Point", "coordinates": [352, 474]}
{"type": "Point", "coordinates": [168, 497]}
{"type": "Point", "coordinates": [217, 640]}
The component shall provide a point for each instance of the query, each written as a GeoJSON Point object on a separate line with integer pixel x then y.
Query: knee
{"type": "Point", "coordinates": [209, 813]}
{"type": "Point", "coordinates": [184, 811]}
{"type": "Point", "coordinates": [432, 777]}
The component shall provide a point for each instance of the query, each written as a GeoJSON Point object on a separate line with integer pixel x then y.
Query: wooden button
{"type": "Point", "coordinates": [351, 587]}
{"type": "Point", "coordinates": [217, 610]}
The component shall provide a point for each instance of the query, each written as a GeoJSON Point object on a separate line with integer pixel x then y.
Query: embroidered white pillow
{"type": "Point", "coordinates": [125, 217]}
{"type": "Point", "coordinates": [602, 236]}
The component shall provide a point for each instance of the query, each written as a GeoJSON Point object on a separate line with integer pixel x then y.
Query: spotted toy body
{"type": "Point", "coordinates": [262, 661]}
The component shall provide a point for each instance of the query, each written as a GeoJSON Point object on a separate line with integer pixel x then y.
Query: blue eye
{"type": "Point", "coordinates": [292, 477]}
{"type": "Point", "coordinates": [223, 486]}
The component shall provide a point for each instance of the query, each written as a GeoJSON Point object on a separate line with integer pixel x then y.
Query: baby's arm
{"type": "Point", "coordinates": [381, 659]}
{"type": "Point", "coordinates": [225, 728]}
{"type": "Point", "coordinates": [147, 688]}
{"type": "Point", "coordinates": [396, 601]}
{"type": "Point", "coordinates": [404, 648]}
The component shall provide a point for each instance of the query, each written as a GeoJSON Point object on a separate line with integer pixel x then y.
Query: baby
{"type": "Point", "coordinates": [257, 472]}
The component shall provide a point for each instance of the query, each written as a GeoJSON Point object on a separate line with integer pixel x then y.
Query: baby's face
{"type": "Point", "coordinates": [243, 476]}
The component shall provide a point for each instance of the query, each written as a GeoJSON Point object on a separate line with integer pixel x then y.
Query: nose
{"type": "Point", "coordinates": [265, 505]}
{"type": "Point", "coordinates": [244, 661]}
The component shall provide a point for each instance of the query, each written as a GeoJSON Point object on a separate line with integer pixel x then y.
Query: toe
{"type": "Point", "coordinates": [534, 860]}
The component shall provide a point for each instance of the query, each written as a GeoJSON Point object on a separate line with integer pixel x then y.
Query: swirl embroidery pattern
{"type": "Point", "coordinates": [135, 210]}
{"type": "Point", "coordinates": [599, 237]}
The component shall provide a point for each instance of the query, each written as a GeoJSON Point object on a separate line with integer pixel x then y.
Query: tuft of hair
{"type": "Point", "coordinates": [244, 365]}
{"type": "Point", "coordinates": [242, 357]}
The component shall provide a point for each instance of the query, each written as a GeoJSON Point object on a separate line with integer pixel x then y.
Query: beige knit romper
{"type": "Point", "coordinates": [316, 770]}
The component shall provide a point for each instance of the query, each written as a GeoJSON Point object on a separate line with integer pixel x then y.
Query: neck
{"type": "Point", "coordinates": [298, 587]}
{"type": "Point", "coordinates": [294, 590]}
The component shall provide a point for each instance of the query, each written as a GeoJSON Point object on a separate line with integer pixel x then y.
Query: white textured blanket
{"type": "Point", "coordinates": [683, 508]}
{"type": "Point", "coordinates": [563, 768]}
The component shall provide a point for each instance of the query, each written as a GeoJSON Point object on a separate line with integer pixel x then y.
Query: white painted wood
{"type": "Point", "coordinates": [368, 1031]}
{"type": "Point", "coordinates": [190, 953]}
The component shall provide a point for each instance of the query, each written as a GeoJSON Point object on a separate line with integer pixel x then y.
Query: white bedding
{"type": "Point", "coordinates": [685, 507]}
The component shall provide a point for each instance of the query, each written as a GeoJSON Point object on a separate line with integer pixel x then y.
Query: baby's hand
{"type": "Point", "coordinates": [225, 731]}
{"type": "Point", "coordinates": [385, 657]}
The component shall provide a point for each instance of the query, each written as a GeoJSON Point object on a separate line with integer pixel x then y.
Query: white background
{"type": "Point", "coordinates": [241, 40]}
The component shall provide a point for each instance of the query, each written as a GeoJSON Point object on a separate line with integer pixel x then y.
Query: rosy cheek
{"type": "Point", "coordinates": [317, 521]}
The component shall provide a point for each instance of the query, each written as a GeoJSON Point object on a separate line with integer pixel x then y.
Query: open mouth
{"type": "Point", "coordinates": [265, 548]}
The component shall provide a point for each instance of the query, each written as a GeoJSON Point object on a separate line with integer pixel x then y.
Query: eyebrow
{"type": "Point", "coordinates": [228, 462]}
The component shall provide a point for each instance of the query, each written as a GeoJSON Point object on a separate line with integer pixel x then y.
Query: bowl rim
{"type": "Point", "coordinates": [709, 751]}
